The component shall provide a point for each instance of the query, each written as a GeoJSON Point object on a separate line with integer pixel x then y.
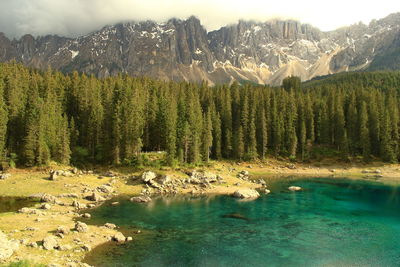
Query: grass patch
{"type": "Point", "coordinates": [23, 263]}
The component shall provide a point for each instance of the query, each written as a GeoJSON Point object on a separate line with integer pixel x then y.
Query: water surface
{"type": "Point", "coordinates": [333, 222]}
{"type": "Point", "coordinates": [9, 204]}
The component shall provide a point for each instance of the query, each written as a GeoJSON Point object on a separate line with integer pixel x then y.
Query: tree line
{"type": "Point", "coordinates": [49, 116]}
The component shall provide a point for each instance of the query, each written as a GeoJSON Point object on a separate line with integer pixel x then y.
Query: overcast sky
{"type": "Point", "coordinates": [76, 17]}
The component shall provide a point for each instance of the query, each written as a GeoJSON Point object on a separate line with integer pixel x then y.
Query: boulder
{"type": "Point", "coordinates": [78, 205]}
{"type": "Point", "coordinates": [95, 197]}
{"type": "Point", "coordinates": [148, 176]}
{"type": "Point", "coordinates": [110, 226]}
{"type": "Point", "coordinates": [46, 206]}
{"type": "Point", "coordinates": [87, 215]}
{"type": "Point", "coordinates": [110, 174]}
{"type": "Point", "coordinates": [50, 242]}
{"type": "Point", "coordinates": [105, 189]}
{"type": "Point", "coordinates": [246, 193]}
{"type": "Point", "coordinates": [7, 247]}
{"type": "Point", "coordinates": [294, 188]}
{"type": "Point", "coordinates": [119, 237]}
{"type": "Point", "coordinates": [28, 211]}
{"type": "Point", "coordinates": [69, 195]}
{"type": "Point", "coordinates": [75, 171]}
{"type": "Point", "coordinates": [165, 179]}
{"type": "Point", "coordinates": [53, 175]}
{"type": "Point", "coordinates": [48, 198]}
{"type": "Point", "coordinates": [245, 173]}
{"type": "Point", "coordinates": [63, 230]}
{"type": "Point", "coordinates": [81, 227]}
{"type": "Point", "coordinates": [140, 199]}
{"type": "Point", "coordinates": [4, 176]}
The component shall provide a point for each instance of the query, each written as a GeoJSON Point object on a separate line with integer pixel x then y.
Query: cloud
{"type": "Point", "coordinates": [77, 17]}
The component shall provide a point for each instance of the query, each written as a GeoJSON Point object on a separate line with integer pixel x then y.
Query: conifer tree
{"type": "Point", "coordinates": [207, 138]}
{"type": "Point", "coordinates": [3, 123]}
{"type": "Point", "coordinates": [364, 132]}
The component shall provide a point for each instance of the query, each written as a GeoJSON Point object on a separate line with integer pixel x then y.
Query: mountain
{"type": "Point", "coordinates": [263, 53]}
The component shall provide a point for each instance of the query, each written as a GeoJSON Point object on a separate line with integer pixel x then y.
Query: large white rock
{"type": "Point", "coordinates": [148, 176]}
{"type": "Point", "coordinates": [246, 193]}
{"type": "Point", "coordinates": [7, 247]}
{"type": "Point", "coordinates": [50, 242]}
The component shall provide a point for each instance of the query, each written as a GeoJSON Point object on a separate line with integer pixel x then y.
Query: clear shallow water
{"type": "Point", "coordinates": [330, 223]}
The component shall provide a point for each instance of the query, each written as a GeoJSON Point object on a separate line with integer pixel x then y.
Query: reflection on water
{"type": "Point", "coordinates": [330, 223]}
{"type": "Point", "coordinates": [9, 204]}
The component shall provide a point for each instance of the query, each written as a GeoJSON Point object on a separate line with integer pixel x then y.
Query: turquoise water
{"type": "Point", "coordinates": [331, 223]}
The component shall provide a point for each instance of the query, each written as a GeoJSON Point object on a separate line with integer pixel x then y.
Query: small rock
{"type": "Point", "coordinates": [4, 176]}
{"type": "Point", "coordinates": [46, 206]}
{"type": "Point", "coordinates": [294, 188]}
{"type": "Point", "coordinates": [86, 248]}
{"type": "Point", "coordinates": [105, 189]}
{"type": "Point", "coordinates": [95, 197]}
{"type": "Point", "coordinates": [28, 211]}
{"type": "Point", "coordinates": [81, 227]}
{"type": "Point", "coordinates": [75, 171]}
{"type": "Point", "coordinates": [64, 247]}
{"type": "Point", "coordinates": [86, 215]}
{"type": "Point", "coordinates": [115, 203]}
{"type": "Point", "coordinates": [110, 226]}
{"type": "Point", "coordinates": [266, 191]}
{"type": "Point", "coordinates": [53, 175]}
{"type": "Point", "coordinates": [119, 237]}
{"type": "Point", "coordinates": [129, 238]}
{"type": "Point", "coordinates": [78, 205]}
{"type": "Point", "coordinates": [48, 198]}
{"type": "Point", "coordinates": [141, 199]}
{"type": "Point", "coordinates": [63, 230]}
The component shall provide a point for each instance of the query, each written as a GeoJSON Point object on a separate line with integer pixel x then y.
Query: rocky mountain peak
{"type": "Point", "coordinates": [261, 52]}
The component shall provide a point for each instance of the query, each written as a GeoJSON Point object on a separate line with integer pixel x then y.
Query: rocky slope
{"type": "Point", "coordinates": [262, 53]}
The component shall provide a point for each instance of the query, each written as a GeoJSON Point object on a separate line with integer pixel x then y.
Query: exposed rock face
{"type": "Point", "coordinates": [7, 247]}
{"type": "Point", "coordinates": [246, 193]}
{"type": "Point", "coordinates": [184, 50]}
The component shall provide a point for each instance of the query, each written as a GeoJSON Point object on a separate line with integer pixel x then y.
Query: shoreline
{"type": "Point", "coordinates": [28, 228]}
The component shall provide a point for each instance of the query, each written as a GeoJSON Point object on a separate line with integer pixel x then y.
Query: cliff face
{"type": "Point", "coordinates": [263, 53]}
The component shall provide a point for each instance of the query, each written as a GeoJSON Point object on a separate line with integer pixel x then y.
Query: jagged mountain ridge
{"type": "Point", "coordinates": [263, 53]}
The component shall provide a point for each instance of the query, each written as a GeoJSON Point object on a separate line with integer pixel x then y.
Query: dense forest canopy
{"type": "Point", "coordinates": [49, 116]}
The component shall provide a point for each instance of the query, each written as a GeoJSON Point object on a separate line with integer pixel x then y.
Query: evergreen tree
{"type": "Point", "coordinates": [3, 123]}
{"type": "Point", "coordinates": [364, 132]}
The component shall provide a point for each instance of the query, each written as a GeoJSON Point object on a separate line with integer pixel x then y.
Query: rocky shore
{"type": "Point", "coordinates": [55, 232]}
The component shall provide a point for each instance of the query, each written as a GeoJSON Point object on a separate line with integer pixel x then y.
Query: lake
{"type": "Point", "coordinates": [332, 222]}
